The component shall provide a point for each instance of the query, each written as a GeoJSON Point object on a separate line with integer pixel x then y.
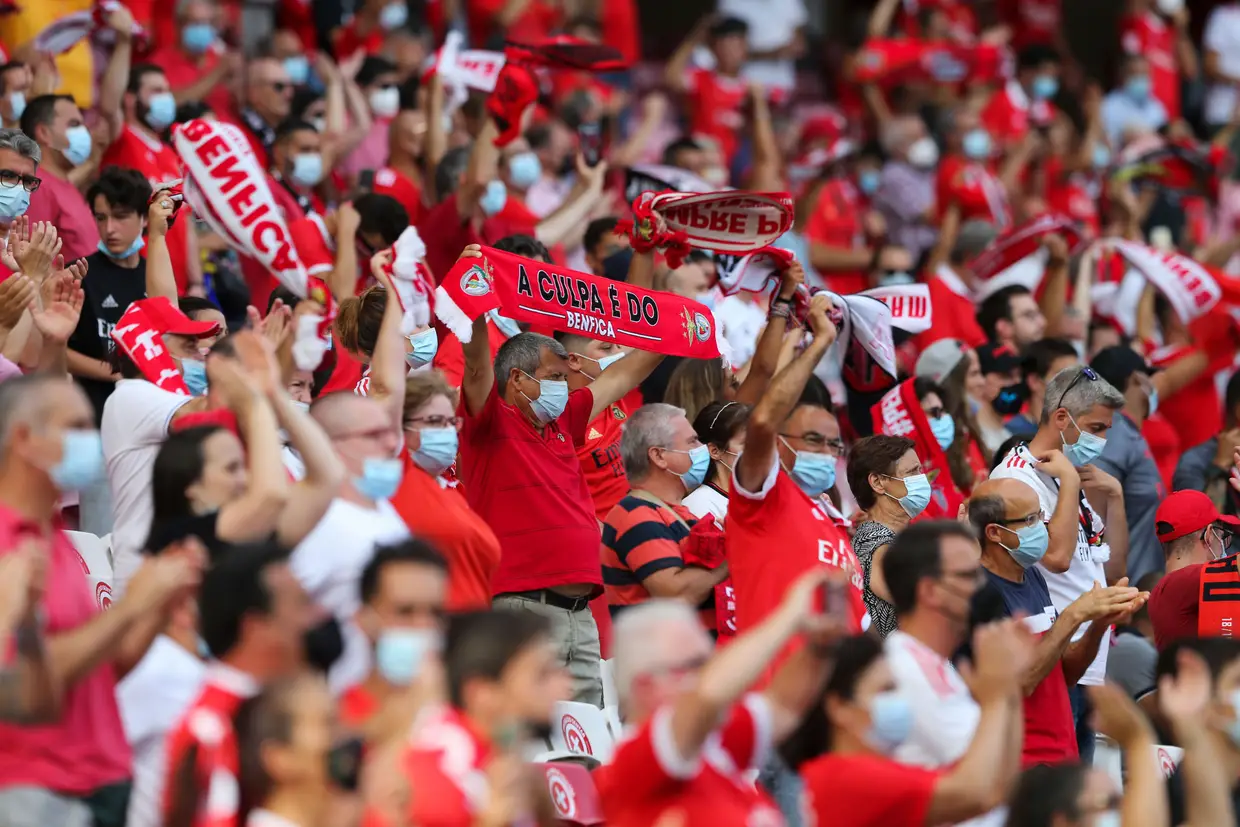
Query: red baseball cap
{"type": "Point", "coordinates": [166, 317]}
{"type": "Point", "coordinates": [1185, 512]}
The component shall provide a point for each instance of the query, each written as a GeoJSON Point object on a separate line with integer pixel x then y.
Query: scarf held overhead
{"type": "Point", "coordinates": [1018, 258]}
{"type": "Point", "coordinates": [544, 295]}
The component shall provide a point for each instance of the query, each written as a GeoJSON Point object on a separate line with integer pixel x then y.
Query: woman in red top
{"type": "Point", "coordinates": [433, 508]}
{"type": "Point", "coordinates": [843, 746]}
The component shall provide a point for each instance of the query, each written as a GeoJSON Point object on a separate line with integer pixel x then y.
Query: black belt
{"type": "Point", "coordinates": [553, 598]}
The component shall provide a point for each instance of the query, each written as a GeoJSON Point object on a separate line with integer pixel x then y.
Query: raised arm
{"type": "Point", "coordinates": [557, 227]}
{"type": "Point", "coordinates": [1063, 525]}
{"type": "Point", "coordinates": [387, 364]}
{"type": "Point", "coordinates": [766, 174]}
{"type": "Point", "coordinates": [160, 280]}
{"type": "Point", "coordinates": [479, 378]}
{"type": "Point", "coordinates": [1184, 699]}
{"type": "Point", "coordinates": [620, 377]}
{"type": "Point", "coordinates": [765, 361]}
{"type": "Point", "coordinates": [769, 414]}
{"type": "Point", "coordinates": [116, 75]}
{"type": "Point", "coordinates": [1055, 284]}
{"type": "Point", "coordinates": [1145, 795]}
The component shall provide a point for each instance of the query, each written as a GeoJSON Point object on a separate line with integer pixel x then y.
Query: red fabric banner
{"type": "Point", "coordinates": [899, 413]}
{"type": "Point", "coordinates": [544, 295]}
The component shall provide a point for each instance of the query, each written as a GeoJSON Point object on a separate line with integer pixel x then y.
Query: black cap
{"type": "Point", "coordinates": [1117, 365]}
{"type": "Point", "coordinates": [993, 358]}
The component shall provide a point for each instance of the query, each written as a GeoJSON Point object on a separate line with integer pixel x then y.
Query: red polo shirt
{"type": "Point", "coordinates": [972, 187]}
{"type": "Point", "coordinates": [86, 748]}
{"type": "Point", "coordinates": [529, 487]}
{"type": "Point", "coordinates": [450, 358]}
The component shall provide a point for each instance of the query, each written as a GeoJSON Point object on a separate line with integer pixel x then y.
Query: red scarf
{"type": "Point", "coordinates": [725, 222]}
{"type": "Point", "coordinates": [526, 290]}
{"type": "Point", "coordinates": [1217, 606]}
{"type": "Point", "coordinates": [899, 413]}
{"type": "Point", "coordinates": [1015, 246]}
{"type": "Point", "coordinates": [142, 342]}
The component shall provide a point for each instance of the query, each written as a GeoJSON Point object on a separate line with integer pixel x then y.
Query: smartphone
{"type": "Point", "coordinates": [366, 181]}
{"type": "Point", "coordinates": [835, 599]}
{"type": "Point", "coordinates": [590, 137]}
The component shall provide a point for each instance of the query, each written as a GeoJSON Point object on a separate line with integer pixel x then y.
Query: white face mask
{"type": "Point", "coordinates": [385, 102]}
{"type": "Point", "coordinates": [924, 153]}
{"type": "Point", "coordinates": [1170, 8]}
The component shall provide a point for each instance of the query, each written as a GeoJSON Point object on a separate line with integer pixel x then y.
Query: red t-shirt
{"type": "Point", "coordinates": [955, 316]}
{"type": "Point", "coordinates": [715, 105]}
{"type": "Point", "coordinates": [158, 163]}
{"type": "Point", "coordinates": [781, 516]}
{"type": "Point", "coordinates": [867, 791]}
{"type": "Point", "coordinates": [1010, 113]}
{"type": "Point", "coordinates": [450, 359]}
{"type": "Point", "coordinates": [646, 777]}
{"type": "Point", "coordinates": [85, 748]}
{"type": "Point", "coordinates": [208, 726]}
{"type": "Point", "coordinates": [395, 184]}
{"type": "Point", "coordinates": [357, 706]}
{"type": "Point", "coordinates": [836, 222]}
{"type": "Point", "coordinates": [538, 20]}
{"type": "Point", "coordinates": [1152, 37]}
{"type": "Point", "coordinates": [1032, 21]}
{"type": "Point", "coordinates": [1165, 446]}
{"type": "Point", "coordinates": [184, 70]}
{"type": "Point", "coordinates": [347, 371]}
{"type": "Point", "coordinates": [58, 201]}
{"type": "Point", "coordinates": [1196, 410]}
{"type": "Point", "coordinates": [446, 765]}
{"type": "Point", "coordinates": [974, 189]}
{"type": "Point", "coordinates": [1173, 605]}
{"type": "Point", "coordinates": [618, 19]}
{"type": "Point", "coordinates": [600, 459]}
{"type": "Point", "coordinates": [441, 516]}
{"type": "Point", "coordinates": [528, 486]}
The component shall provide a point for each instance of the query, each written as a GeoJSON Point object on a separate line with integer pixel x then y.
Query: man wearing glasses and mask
{"type": "Point", "coordinates": [1198, 595]}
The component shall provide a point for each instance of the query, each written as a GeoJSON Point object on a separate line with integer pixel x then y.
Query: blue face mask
{"type": "Point", "coordinates": [14, 201]}
{"type": "Point", "coordinates": [1153, 402]}
{"type": "Point", "coordinates": [425, 345]}
{"type": "Point", "coordinates": [506, 325]}
{"type": "Point", "coordinates": [867, 181]}
{"type": "Point", "coordinates": [918, 497]}
{"type": "Point", "coordinates": [399, 653]}
{"type": "Point", "coordinates": [494, 199]}
{"type": "Point", "coordinates": [1139, 88]}
{"type": "Point", "coordinates": [194, 372]}
{"type": "Point", "coordinates": [1032, 545]}
{"type": "Point", "coordinates": [891, 721]}
{"type": "Point", "coordinates": [81, 461]}
{"type": "Point", "coordinates": [944, 429]}
{"type": "Point", "coordinates": [298, 68]}
{"type": "Point", "coordinates": [699, 462]}
{"type": "Point", "coordinates": [436, 450]}
{"type": "Point", "coordinates": [525, 169]}
{"type": "Point", "coordinates": [1102, 156]}
{"type": "Point", "coordinates": [79, 140]}
{"type": "Point", "coordinates": [161, 111]}
{"type": "Point", "coordinates": [17, 102]}
{"type": "Point", "coordinates": [380, 477]}
{"type": "Point", "coordinates": [197, 37]}
{"type": "Point", "coordinates": [551, 401]}
{"type": "Point", "coordinates": [307, 169]}
{"type": "Point", "coordinates": [1087, 448]}
{"type": "Point", "coordinates": [135, 247]}
{"type": "Point", "coordinates": [813, 473]}
{"type": "Point", "coordinates": [976, 144]}
{"type": "Point", "coordinates": [394, 15]}
{"type": "Point", "coordinates": [1045, 87]}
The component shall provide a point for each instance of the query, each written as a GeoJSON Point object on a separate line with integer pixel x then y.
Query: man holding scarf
{"type": "Point", "coordinates": [521, 474]}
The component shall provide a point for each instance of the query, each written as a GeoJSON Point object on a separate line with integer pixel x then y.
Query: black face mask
{"type": "Point", "coordinates": [1010, 399]}
{"type": "Point", "coordinates": [344, 763]}
{"type": "Point", "coordinates": [324, 645]}
{"type": "Point", "coordinates": [616, 265]}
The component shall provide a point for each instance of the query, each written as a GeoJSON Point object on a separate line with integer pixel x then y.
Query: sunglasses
{"type": "Point", "coordinates": [1086, 373]}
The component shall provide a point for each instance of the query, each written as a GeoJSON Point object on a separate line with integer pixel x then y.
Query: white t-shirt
{"type": "Point", "coordinates": [1222, 36]}
{"type": "Point", "coordinates": [772, 25]}
{"type": "Point", "coordinates": [329, 564]}
{"type": "Point", "coordinates": [945, 716]}
{"type": "Point", "coordinates": [741, 321]}
{"type": "Point", "coordinates": [135, 423]}
{"type": "Point", "coordinates": [1088, 561]}
{"type": "Point", "coordinates": [706, 499]}
{"type": "Point", "coordinates": [152, 699]}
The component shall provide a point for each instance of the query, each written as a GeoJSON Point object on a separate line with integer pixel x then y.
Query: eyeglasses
{"type": "Point", "coordinates": [1087, 373]}
{"type": "Point", "coordinates": [281, 86]}
{"type": "Point", "coordinates": [10, 179]}
{"type": "Point", "coordinates": [820, 443]}
{"type": "Point", "coordinates": [437, 421]}
{"type": "Point", "coordinates": [1025, 522]}
{"type": "Point", "coordinates": [933, 413]}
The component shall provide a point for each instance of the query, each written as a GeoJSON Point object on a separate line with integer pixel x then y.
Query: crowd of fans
{"type": "Point", "coordinates": [313, 544]}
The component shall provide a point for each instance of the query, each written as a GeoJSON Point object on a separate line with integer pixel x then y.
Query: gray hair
{"type": "Point", "coordinates": [650, 426]}
{"type": "Point", "coordinates": [635, 635]}
{"type": "Point", "coordinates": [1078, 394]}
{"type": "Point", "coordinates": [974, 237]}
{"type": "Point", "coordinates": [523, 352]}
{"type": "Point", "coordinates": [984, 511]}
{"type": "Point", "coordinates": [17, 141]}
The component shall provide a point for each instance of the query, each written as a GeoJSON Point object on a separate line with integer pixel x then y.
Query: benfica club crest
{"type": "Point", "coordinates": [476, 281]}
{"type": "Point", "coordinates": [697, 326]}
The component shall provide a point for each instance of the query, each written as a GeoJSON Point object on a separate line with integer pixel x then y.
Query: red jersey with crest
{"type": "Point", "coordinates": [776, 534]}
{"type": "Point", "coordinates": [973, 188]}
{"type": "Point", "coordinates": [715, 105]}
{"type": "Point", "coordinates": [600, 458]}
{"type": "Point", "coordinates": [647, 777]}
{"type": "Point", "coordinates": [1153, 37]}
{"type": "Point", "coordinates": [396, 184]}
{"type": "Point", "coordinates": [207, 732]}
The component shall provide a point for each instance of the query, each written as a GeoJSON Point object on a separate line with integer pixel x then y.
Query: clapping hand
{"type": "Point", "coordinates": [62, 308]}
{"type": "Point", "coordinates": [35, 249]}
{"type": "Point", "coordinates": [1184, 696]}
{"type": "Point", "coordinates": [16, 294]}
{"type": "Point", "coordinates": [166, 577]}
{"type": "Point", "coordinates": [23, 576]}
{"type": "Point", "coordinates": [1112, 604]}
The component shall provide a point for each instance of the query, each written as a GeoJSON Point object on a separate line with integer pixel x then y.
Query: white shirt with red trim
{"type": "Point", "coordinates": [1088, 562]}
{"type": "Point", "coordinates": [648, 776]}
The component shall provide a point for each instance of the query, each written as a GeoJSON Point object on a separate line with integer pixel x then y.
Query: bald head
{"type": "Point", "coordinates": [1001, 502]}
{"type": "Point", "coordinates": [29, 401]}
{"type": "Point", "coordinates": [338, 413]}
{"type": "Point", "coordinates": [647, 640]}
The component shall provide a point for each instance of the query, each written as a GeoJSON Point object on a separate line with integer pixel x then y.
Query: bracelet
{"type": "Point", "coordinates": [780, 311]}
